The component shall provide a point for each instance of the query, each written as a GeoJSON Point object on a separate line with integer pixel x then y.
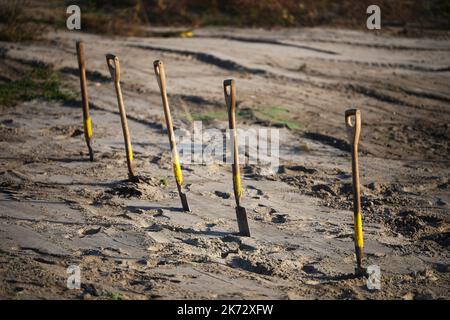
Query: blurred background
{"type": "Point", "coordinates": [27, 19]}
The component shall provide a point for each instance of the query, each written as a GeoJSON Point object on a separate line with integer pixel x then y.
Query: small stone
{"type": "Point", "coordinates": [408, 296]}
{"type": "Point", "coordinates": [87, 296]}
{"type": "Point", "coordinates": [223, 195]}
{"type": "Point", "coordinates": [279, 218]}
{"type": "Point", "coordinates": [143, 262]}
{"type": "Point", "coordinates": [429, 274]}
{"type": "Point", "coordinates": [155, 212]}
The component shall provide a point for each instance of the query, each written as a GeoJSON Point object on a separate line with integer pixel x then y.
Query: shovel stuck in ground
{"type": "Point", "coordinates": [354, 130]}
{"type": "Point", "coordinates": [161, 78]}
{"type": "Point", "coordinates": [229, 88]}
{"type": "Point", "coordinates": [87, 122]}
{"type": "Point", "coordinates": [114, 69]}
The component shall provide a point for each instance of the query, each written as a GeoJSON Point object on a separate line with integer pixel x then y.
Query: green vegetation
{"type": "Point", "coordinates": [41, 82]}
{"type": "Point", "coordinates": [209, 116]}
{"type": "Point", "coordinates": [273, 116]}
{"type": "Point", "coordinates": [116, 296]}
{"type": "Point", "coordinates": [164, 181]}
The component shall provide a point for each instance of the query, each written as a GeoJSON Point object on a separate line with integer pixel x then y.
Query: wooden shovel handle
{"type": "Point", "coordinates": [229, 90]}
{"type": "Point", "coordinates": [114, 66]}
{"type": "Point", "coordinates": [87, 122]}
{"type": "Point", "coordinates": [82, 67]}
{"type": "Point", "coordinates": [355, 129]}
{"type": "Point", "coordinates": [160, 73]}
{"type": "Point", "coordinates": [161, 79]}
{"type": "Point", "coordinates": [80, 53]}
{"type": "Point", "coordinates": [356, 126]}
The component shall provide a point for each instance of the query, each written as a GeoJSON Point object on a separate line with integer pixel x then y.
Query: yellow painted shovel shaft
{"type": "Point", "coordinates": [177, 169]}
{"type": "Point", "coordinates": [88, 128]}
{"type": "Point", "coordinates": [161, 79]}
{"type": "Point", "coordinates": [114, 68]}
{"type": "Point", "coordinates": [87, 122]}
{"type": "Point", "coordinates": [354, 130]}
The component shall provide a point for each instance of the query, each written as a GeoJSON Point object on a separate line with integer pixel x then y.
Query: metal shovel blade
{"type": "Point", "coordinates": [241, 215]}
{"type": "Point", "coordinates": [361, 272]}
{"type": "Point", "coordinates": [184, 202]}
{"type": "Point", "coordinates": [91, 153]}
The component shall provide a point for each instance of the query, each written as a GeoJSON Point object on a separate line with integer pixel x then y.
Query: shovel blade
{"type": "Point", "coordinates": [241, 215]}
{"type": "Point", "coordinates": [184, 202]}
{"type": "Point", "coordinates": [360, 272]}
{"type": "Point", "coordinates": [91, 153]}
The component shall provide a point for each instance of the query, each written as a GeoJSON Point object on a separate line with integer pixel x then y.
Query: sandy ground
{"type": "Point", "coordinates": [131, 240]}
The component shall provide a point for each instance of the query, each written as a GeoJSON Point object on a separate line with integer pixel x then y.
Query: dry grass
{"type": "Point", "coordinates": [16, 24]}
{"type": "Point", "coordinates": [269, 13]}
{"type": "Point", "coordinates": [113, 17]}
{"type": "Point", "coordinates": [131, 17]}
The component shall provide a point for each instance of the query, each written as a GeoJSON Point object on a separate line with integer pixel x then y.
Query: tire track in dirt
{"type": "Point", "coordinates": [235, 66]}
{"type": "Point", "coordinates": [375, 94]}
{"type": "Point", "coordinates": [426, 95]}
{"type": "Point", "coordinates": [326, 140]}
{"type": "Point", "coordinates": [231, 65]}
{"type": "Point", "coordinates": [206, 58]}
{"type": "Point", "coordinates": [323, 139]}
{"type": "Point", "coordinates": [228, 65]}
{"type": "Point", "coordinates": [272, 42]}
{"type": "Point", "coordinates": [410, 67]}
{"type": "Point", "coordinates": [377, 45]}
{"type": "Point", "coordinates": [94, 76]}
